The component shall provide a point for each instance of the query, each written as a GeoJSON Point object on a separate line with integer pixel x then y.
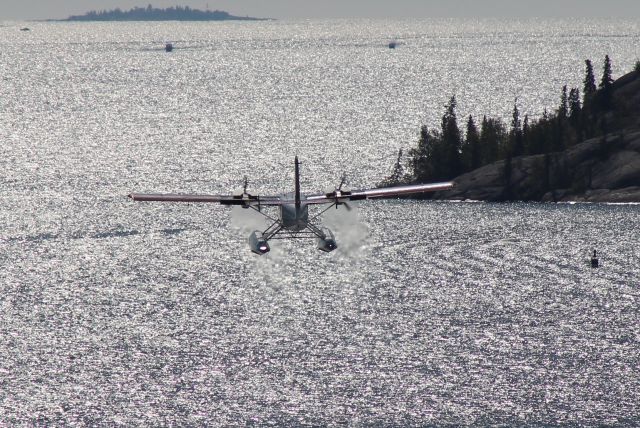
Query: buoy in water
{"type": "Point", "coordinates": [594, 260]}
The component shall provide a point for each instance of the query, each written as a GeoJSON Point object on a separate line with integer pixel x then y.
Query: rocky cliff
{"type": "Point", "coordinates": [602, 169]}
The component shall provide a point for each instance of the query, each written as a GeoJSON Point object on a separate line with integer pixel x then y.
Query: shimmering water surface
{"type": "Point", "coordinates": [117, 313]}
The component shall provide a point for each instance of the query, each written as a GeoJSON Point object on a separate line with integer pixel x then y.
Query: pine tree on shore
{"type": "Point", "coordinates": [493, 136]}
{"type": "Point", "coordinates": [575, 107]}
{"type": "Point", "coordinates": [526, 135]}
{"type": "Point", "coordinates": [606, 84]}
{"type": "Point", "coordinates": [563, 109]}
{"type": "Point", "coordinates": [472, 149]}
{"type": "Point", "coordinates": [422, 156]}
{"type": "Point", "coordinates": [607, 80]}
{"type": "Point", "coordinates": [516, 141]}
{"type": "Point", "coordinates": [452, 142]}
{"type": "Point", "coordinates": [575, 113]}
{"type": "Point", "coordinates": [589, 81]}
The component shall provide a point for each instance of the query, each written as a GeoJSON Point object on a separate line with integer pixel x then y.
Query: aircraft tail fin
{"type": "Point", "coordinates": [297, 172]}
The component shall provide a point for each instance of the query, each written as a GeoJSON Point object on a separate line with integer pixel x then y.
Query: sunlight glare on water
{"type": "Point", "coordinates": [428, 313]}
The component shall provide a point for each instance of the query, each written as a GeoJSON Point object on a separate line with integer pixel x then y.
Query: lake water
{"type": "Point", "coordinates": [430, 313]}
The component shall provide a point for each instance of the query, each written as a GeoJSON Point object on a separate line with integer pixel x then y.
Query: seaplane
{"type": "Point", "coordinates": [293, 219]}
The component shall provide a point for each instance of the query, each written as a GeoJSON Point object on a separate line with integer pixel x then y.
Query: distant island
{"type": "Point", "coordinates": [150, 13]}
{"type": "Point", "coordinates": [587, 150]}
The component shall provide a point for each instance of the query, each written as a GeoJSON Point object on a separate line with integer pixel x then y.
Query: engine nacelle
{"type": "Point", "coordinates": [258, 244]}
{"type": "Point", "coordinates": [328, 243]}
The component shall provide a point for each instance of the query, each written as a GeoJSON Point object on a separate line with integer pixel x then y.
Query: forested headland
{"type": "Point", "coordinates": [150, 13]}
{"type": "Point", "coordinates": [587, 149]}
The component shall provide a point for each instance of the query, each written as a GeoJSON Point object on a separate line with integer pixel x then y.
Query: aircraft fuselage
{"type": "Point", "coordinates": [294, 217]}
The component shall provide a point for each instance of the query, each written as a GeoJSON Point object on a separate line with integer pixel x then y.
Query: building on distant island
{"type": "Point", "coordinates": [150, 13]}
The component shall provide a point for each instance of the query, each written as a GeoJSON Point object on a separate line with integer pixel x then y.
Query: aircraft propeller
{"type": "Point", "coordinates": [246, 196]}
{"type": "Point", "coordinates": [338, 193]}
{"type": "Point", "coordinates": [245, 185]}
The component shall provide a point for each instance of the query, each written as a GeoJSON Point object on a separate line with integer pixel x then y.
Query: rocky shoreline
{"type": "Point", "coordinates": [616, 178]}
{"type": "Point", "coordinates": [601, 169]}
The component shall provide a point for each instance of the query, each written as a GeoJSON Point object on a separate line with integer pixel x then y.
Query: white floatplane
{"type": "Point", "coordinates": [293, 220]}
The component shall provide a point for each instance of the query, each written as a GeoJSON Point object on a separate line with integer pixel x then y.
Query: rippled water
{"type": "Point", "coordinates": [119, 313]}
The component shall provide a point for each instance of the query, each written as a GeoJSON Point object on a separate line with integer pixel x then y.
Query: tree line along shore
{"type": "Point", "coordinates": [585, 150]}
{"type": "Point", "coordinates": [150, 13]}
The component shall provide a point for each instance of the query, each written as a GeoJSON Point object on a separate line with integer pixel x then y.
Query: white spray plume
{"type": "Point", "coordinates": [350, 234]}
{"type": "Point", "coordinates": [247, 219]}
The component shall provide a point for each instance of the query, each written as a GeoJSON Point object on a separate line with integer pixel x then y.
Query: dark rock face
{"type": "Point", "coordinates": [626, 195]}
{"type": "Point", "coordinates": [482, 184]}
{"type": "Point", "coordinates": [621, 170]}
{"type": "Point", "coordinates": [598, 170]}
{"type": "Point", "coordinates": [604, 169]}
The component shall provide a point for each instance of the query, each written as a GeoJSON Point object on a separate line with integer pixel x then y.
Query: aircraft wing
{"type": "Point", "coordinates": [381, 192]}
{"type": "Point", "coordinates": [335, 196]}
{"type": "Point", "coordinates": [240, 199]}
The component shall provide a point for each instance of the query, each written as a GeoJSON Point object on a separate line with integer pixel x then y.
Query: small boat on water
{"type": "Point", "coordinates": [594, 260]}
{"type": "Point", "coordinates": [392, 44]}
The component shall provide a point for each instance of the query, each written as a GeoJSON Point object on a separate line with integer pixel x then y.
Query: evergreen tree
{"type": "Point", "coordinates": [526, 135]}
{"type": "Point", "coordinates": [516, 140]}
{"type": "Point", "coordinates": [539, 135]}
{"type": "Point", "coordinates": [606, 85]}
{"type": "Point", "coordinates": [589, 81]}
{"type": "Point", "coordinates": [452, 143]}
{"type": "Point", "coordinates": [439, 155]}
{"type": "Point", "coordinates": [492, 139]}
{"type": "Point", "coordinates": [516, 124]}
{"type": "Point", "coordinates": [575, 110]}
{"type": "Point", "coordinates": [607, 80]}
{"type": "Point", "coordinates": [422, 156]}
{"type": "Point", "coordinates": [557, 134]}
{"type": "Point", "coordinates": [472, 152]}
{"type": "Point", "coordinates": [563, 109]}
